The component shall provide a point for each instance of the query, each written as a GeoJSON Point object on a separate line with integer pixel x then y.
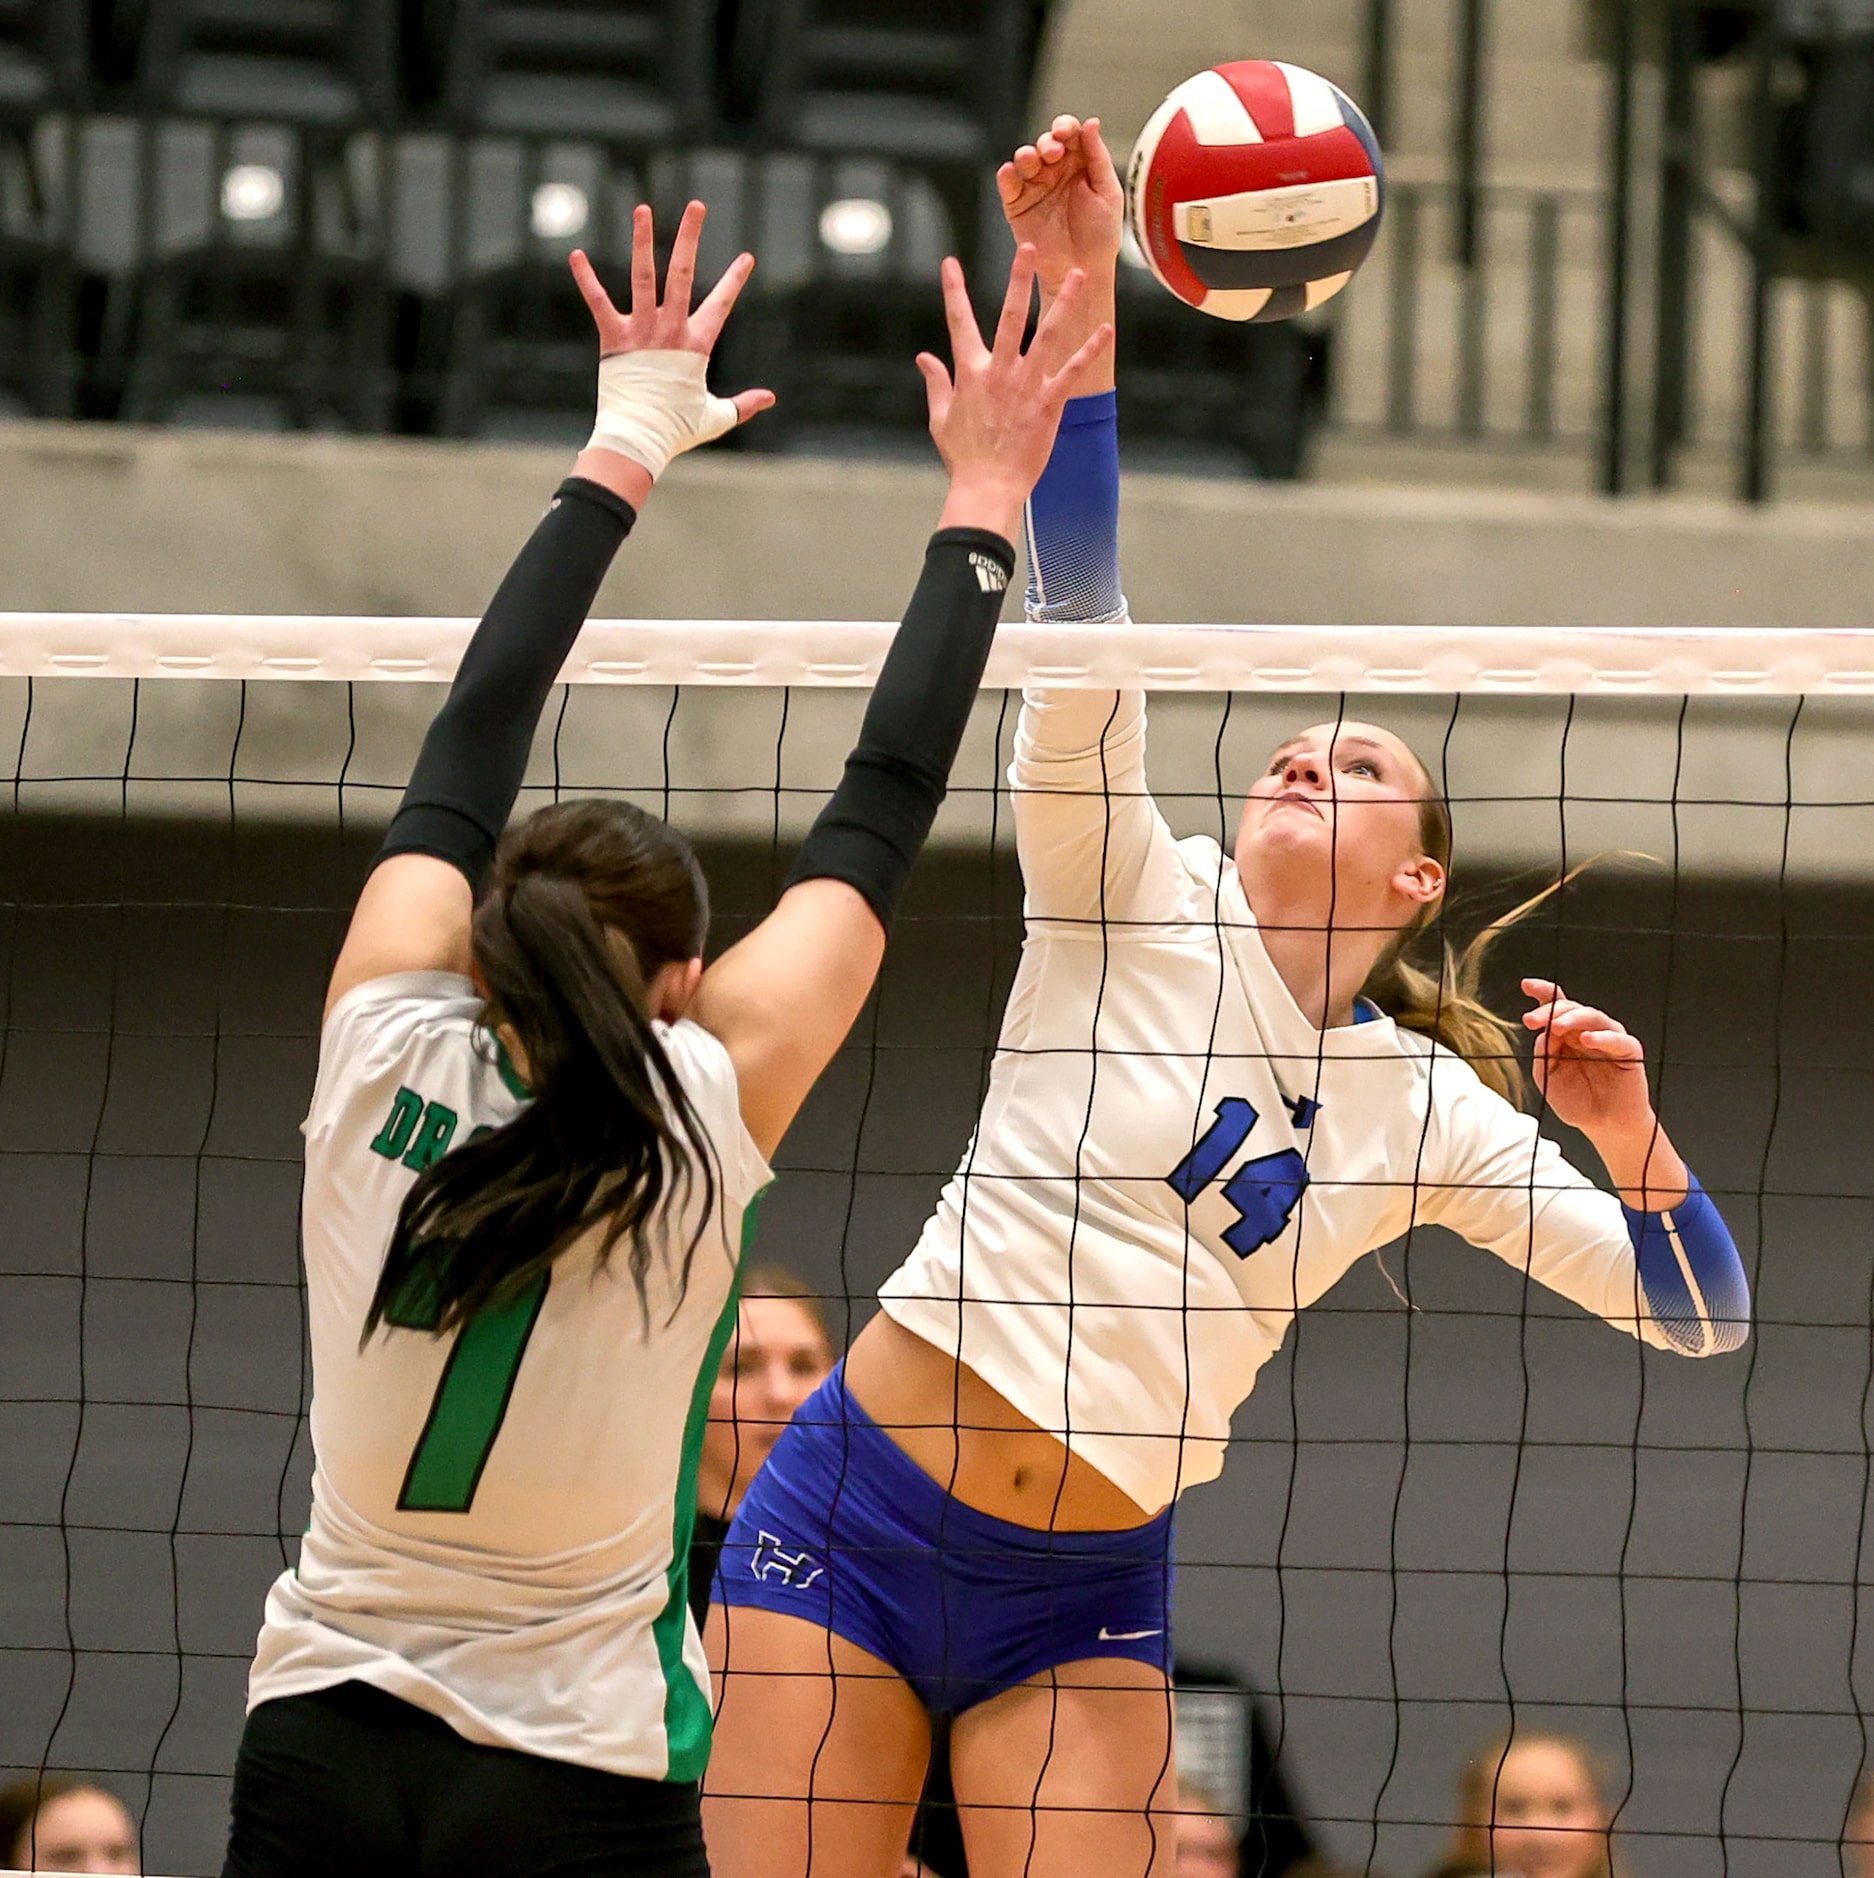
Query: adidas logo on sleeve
{"type": "Point", "coordinates": [990, 576]}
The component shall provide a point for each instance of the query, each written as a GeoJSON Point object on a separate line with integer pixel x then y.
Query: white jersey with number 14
{"type": "Point", "coordinates": [1172, 1161]}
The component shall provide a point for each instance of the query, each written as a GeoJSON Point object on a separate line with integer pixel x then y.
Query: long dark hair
{"type": "Point", "coordinates": [588, 900]}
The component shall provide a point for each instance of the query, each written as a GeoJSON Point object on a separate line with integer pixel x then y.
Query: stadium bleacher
{"type": "Point", "coordinates": [354, 215]}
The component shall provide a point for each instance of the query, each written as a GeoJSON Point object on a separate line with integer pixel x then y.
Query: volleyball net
{"type": "Point", "coordinates": [1454, 1506]}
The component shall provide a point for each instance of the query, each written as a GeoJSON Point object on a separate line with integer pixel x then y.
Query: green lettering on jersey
{"type": "Point", "coordinates": [432, 1139]}
{"type": "Point", "coordinates": [470, 1404]}
{"type": "Point", "coordinates": [399, 1125]}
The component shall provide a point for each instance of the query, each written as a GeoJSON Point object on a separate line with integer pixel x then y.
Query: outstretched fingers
{"type": "Point", "coordinates": [1015, 303]}
{"type": "Point", "coordinates": [966, 339]}
{"type": "Point", "coordinates": [643, 264]}
{"type": "Point", "coordinates": [680, 277]}
{"type": "Point", "coordinates": [591, 288]}
{"type": "Point", "coordinates": [1052, 342]}
{"type": "Point", "coordinates": [1586, 1029]}
{"type": "Point", "coordinates": [938, 389]}
{"type": "Point", "coordinates": [707, 322]}
{"type": "Point", "coordinates": [749, 403]}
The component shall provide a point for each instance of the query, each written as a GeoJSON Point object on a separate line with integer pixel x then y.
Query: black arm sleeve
{"type": "Point", "coordinates": [870, 833]}
{"type": "Point", "coordinates": [470, 769]}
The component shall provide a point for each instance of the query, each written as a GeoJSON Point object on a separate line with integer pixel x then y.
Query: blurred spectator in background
{"type": "Point", "coordinates": [1228, 1753]}
{"type": "Point", "coordinates": [1858, 1841]}
{"type": "Point", "coordinates": [1535, 1806]}
{"type": "Point", "coordinates": [60, 1822]}
{"type": "Point", "coordinates": [780, 1354]}
{"type": "Point", "coordinates": [1210, 1842]}
{"type": "Point", "coordinates": [1207, 1845]}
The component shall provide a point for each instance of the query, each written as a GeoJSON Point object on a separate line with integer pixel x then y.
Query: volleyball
{"type": "Point", "coordinates": [1256, 190]}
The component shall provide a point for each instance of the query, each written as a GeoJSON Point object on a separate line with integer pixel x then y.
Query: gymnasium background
{"type": "Point", "coordinates": [1545, 403]}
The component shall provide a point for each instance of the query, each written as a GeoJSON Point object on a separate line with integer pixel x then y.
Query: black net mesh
{"type": "Point", "coordinates": [1453, 1504]}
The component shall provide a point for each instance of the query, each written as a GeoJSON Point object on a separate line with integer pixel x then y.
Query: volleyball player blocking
{"type": "Point", "coordinates": [1222, 1079]}
{"type": "Point", "coordinates": [538, 1127]}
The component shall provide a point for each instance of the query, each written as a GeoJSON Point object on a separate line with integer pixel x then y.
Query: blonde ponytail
{"type": "Point", "coordinates": [1442, 1000]}
{"type": "Point", "coordinates": [1444, 1003]}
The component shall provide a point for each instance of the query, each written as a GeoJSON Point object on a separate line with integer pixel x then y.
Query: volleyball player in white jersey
{"type": "Point", "coordinates": [1219, 1083]}
{"type": "Point", "coordinates": [538, 1126]}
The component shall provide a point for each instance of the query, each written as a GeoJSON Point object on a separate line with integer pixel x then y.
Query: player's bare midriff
{"type": "Point", "coordinates": [965, 1436]}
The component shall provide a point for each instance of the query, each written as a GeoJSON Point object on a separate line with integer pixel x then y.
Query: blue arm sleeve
{"type": "Point", "coordinates": [1692, 1276]}
{"type": "Point", "coordinates": [1073, 519]}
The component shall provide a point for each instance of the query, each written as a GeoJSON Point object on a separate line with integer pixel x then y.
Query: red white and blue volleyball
{"type": "Point", "coordinates": [1256, 190]}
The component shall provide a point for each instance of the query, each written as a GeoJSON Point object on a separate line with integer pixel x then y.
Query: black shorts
{"type": "Point", "coordinates": [353, 1783]}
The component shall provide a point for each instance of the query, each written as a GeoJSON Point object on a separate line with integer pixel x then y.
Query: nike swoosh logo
{"type": "Point", "coordinates": [1126, 1636]}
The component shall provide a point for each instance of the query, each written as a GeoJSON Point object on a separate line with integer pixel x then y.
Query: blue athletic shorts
{"type": "Point", "coordinates": [842, 1528]}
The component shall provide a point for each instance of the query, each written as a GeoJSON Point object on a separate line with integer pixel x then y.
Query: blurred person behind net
{"type": "Point", "coordinates": [1208, 1841]}
{"type": "Point", "coordinates": [66, 1823]}
{"type": "Point", "coordinates": [1205, 1840]}
{"type": "Point", "coordinates": [1533, 1806]}
{"type": "Point", "coordinates": [1857, 1849]}
{"type": "Point", "coordinates": [781, 1352]}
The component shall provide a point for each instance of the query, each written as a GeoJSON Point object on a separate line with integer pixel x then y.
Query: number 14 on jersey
{"type": "Point", "coordinates": [1265, 1190]}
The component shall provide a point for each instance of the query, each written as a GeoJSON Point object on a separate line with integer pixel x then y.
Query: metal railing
{"type": "Point", "coordinates": [1665, 312]}
{"type": "Point", "coordinates": [1480, 347]}
{"type": "Point", "coordinates": [1789, 377]}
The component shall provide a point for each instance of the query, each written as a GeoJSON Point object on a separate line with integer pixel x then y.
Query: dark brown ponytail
{"type": "Point", "coordinates": [588, 901]}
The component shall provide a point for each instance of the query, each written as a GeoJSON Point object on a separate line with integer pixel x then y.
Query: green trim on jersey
{"type": "Point", "coordinates": [510, 1076]}
{"type": "Point", "coordinates": [687, 1717]}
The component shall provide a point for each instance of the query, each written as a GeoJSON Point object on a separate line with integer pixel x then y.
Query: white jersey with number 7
{"type": "Point", "coordinates": [500, 1517]}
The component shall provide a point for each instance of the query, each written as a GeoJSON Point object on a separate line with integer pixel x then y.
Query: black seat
{"type": "Point", "coordinates": [845, 297]}
{"type": "Point", "coordinates": [932, 94]}
{"type": "Point", "coordinates": [884, 121]}
{"type": "Point", "coordinates": [44, 82]}
{"type": "Point", "coordinates": [632, 72]}
{"type": "Point", "coordinates": [43, 56]}
{"type": "Point", "coordinates": [557, 116]}
{"type": "Point", "coordinates": [945, 81]}
{"type": "Point", "coordinates": [313, 63]}
{"type": "Point", "coordinates": [260, 292]}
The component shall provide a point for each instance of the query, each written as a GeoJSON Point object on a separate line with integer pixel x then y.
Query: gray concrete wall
{"type": "Point", "coordinates": [108, 518]}
{"type": "Point", "coordinates": [1430, 1514]}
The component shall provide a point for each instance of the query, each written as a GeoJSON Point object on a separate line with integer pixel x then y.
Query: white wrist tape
{"type": "Point", "coordinates": [656, 405]}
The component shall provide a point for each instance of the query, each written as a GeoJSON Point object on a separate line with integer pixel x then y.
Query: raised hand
{"type": "Point", "coordinates": [1592, 1073]}
{"type": "Point", "coordinates": [1590, 1069]}
{"type": "Point", "coordinates": [654, 402]}
{"type": "Point", "coordinates": [994, 420]}
{"type": "Point", "coordinates": [1062, 193]}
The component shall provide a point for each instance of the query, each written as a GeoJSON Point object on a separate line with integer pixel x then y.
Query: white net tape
{"type": "Point", "coordinates": [1513, 661]}
{"type": "Point", "coordinates": [1660, 1559]}
{"type": "Point", "coordinates": [1737, 752]}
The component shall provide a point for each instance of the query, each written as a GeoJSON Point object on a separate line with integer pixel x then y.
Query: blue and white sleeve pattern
{"type": "Point", "coordinates": [1694, 1281]}
{"type": "Point", "coordinates": [1073, 519]}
